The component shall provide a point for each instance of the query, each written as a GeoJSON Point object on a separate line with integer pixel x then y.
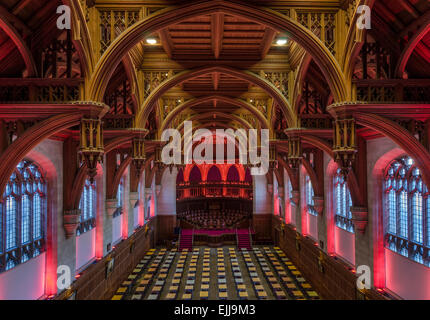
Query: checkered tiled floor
{"type": "Point", "coordinates": [222, 273]}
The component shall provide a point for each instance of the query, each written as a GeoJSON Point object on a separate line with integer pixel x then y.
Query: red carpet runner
{"type": "Point", "coordinates": [243, 239]}
{"type": "Point", "coordinates": [186, 241]}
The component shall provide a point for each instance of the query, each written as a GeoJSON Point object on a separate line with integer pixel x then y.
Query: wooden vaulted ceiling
{"type": "Point", "coordinates": [217, 36]}
{"type": "Point", "coordinates": [34, 20]}
{"type": "Point", "coordinates": [395, 22]}
{"type": "Point", "coordinates": [217, 39]}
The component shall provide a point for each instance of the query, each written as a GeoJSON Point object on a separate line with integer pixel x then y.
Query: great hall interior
{"type": "Point", "coordinates": [90, 211]}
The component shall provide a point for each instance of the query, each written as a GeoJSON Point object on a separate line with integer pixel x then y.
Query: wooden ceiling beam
{"type": "Point", "coordinates": [19, 6]}
{"type": "Point", "coordinates": [416, 24]}
{"type": "Point", "coordinates": [392, 18]}
{"type": "Point", "coordinates": [217, 29]}
{"type": "Point", "coordinates": [166, 41]}
{"type": "Point", "coordinates": [269, 36]}
{"type": "Point", "coordinates": [15, 21]}
{"type": "Point", "coordinates": [410, 8]}
{"type": "Point", "coordinates": [215, 80]}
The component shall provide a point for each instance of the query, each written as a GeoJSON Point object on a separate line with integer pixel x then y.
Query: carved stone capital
{"type": "Point", "coordinates": [148, 193]}
{"type": "Point", "coordinates": [270, 188]}
{"type": "Point", "coordinates": [359, 218]}
{"type": "Point", "coordinates": [71, 222]}
{"type": "Point", "coordinates": [111, 207]}
{"type": "Point", "coordinates": [134, 198]}
{"type": "Point", "coordinates": [157, 189]}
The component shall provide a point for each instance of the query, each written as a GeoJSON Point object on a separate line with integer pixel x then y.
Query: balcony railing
{"type": "Point", "coordinates": [388, 91]}
{"type": "Point", "coordinates": [188, 190]}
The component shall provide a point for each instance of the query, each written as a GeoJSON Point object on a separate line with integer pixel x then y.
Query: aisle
{"type": "Point", "coordinates": [216, 273]}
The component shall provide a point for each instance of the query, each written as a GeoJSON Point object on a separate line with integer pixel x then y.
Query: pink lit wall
{"type": "Point", "coordinates": [24, 282]}
{"type": "Point", "coordinates": [344, 244]}
{"type": "Point", "coordinates": [312, 226]}
{"type": "Point", "coordinates": [408, 279]}
{"type": "Point", "coordinates": [85, 248]}
{"type": "Point", "coordinates": [117, 228]}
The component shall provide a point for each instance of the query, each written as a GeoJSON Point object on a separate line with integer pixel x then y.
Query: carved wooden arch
{"type": "Point", "coordinates": [81, 37]}
{"type": "Point", "coordinates": [279, 176]}
{"type": "Point", "coordinates": [317, 186]}
{"type": "Point", "coordinates": [354, 42]}
{"type": "Point", "coordinates": [205, 115]}
{"type": "Point", "coordinates": [20, 43]}
{"type": "Point", "coordinates": [354, 189]}
{"type": "Point", "coordinates": [401, 137]}
{"type": "Point", "coordinates": [113, 188]}
{"type": "Point", "coordinates": [176, 14]}
{"type": "Point", "coordinates": [248, 76]}
{"type": "Point", "coordinates": [14, 154]}
{"type": "Point", "coordinates": [78, 183]}
{"type": "Point", "coordinates": [149, 173]}
{"type": "Point", "coordinates": [291, 174]}
{"type": "Point", "coordinates": [132, 78]}
{"type": "Point", "coordinates": [317, 142]}
{"type": "Point", "coordinates": [201, 126]}
{"type": "Point", "coordinates": [300, 76]}
{"type": "Point", "coordinates": [269, 177]}
{"type": "Point", "coordinates": [410, 47]}
{"type": "Point", "coordinates": [198, 101]}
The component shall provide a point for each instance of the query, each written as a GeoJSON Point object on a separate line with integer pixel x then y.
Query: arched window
{"type": "Point", "coordinates": [119, 198]}
{"type": "Point", "coordinates": [233, 174]}
{"type": "Point", "coordinates": [214, 175]}
{"type": "Point", "coordinates": [195, 175]}
{"type": "Point", "coordinates": [88, 207]}
{"type": "Point", "coordinates": [342, 203]}
{"type": "Point", "coordinates": [309, 190]}
{"type": "Point", "coordinates": [23, 216]}
{"type": "Point", "coordinates": [407, 211]}
{"type": "Point", "coordinates": [119, 194]}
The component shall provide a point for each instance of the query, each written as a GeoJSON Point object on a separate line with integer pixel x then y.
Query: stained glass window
{"type": "Point", "coordinates": [407, 211]}
{"type": "Point", "coordinates": [342, 203]}
{"type": "Point", "coordinates": [119, 194]}
{"type": "Point", "coordinates": [309, 190]}
{"type": "Point", "coordinates": [22, 216]}
{"type": "Point", "coordinates": [119, 197]}
{"type": "Point", "coordinates": [87, 205]}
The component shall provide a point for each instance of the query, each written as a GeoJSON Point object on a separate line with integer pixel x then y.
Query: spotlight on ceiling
{"type": "Point", "coordinates": [151, 41]}
{"type": "Point", "coordinates": [281, 42]}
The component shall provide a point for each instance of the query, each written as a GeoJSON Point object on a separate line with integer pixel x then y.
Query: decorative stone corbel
{"type": "Point", "coordinates": [359, 218]}
{"type": "Point", "coordinates": [319, 204]}
{"type": "Point", "coordinates": [157, 189]}
{"type": "Point", "coordinates": [111, 207]}
{"type": "Point", "coordinates": [134, 199]}
{"type": "Point", "coordinates": [71, 222]}
{"type": "Point", "coordinates": [270, 188]}
{"type": "Point", "coordinates": [148, 193]}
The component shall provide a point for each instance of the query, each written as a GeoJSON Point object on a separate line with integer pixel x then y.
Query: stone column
{"type": "Point", "coordinates": [134, 210]}
{"type": "Point", "coordinates": [148, 193]}
{"type": "Point", "coordinates": [111, 207]}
